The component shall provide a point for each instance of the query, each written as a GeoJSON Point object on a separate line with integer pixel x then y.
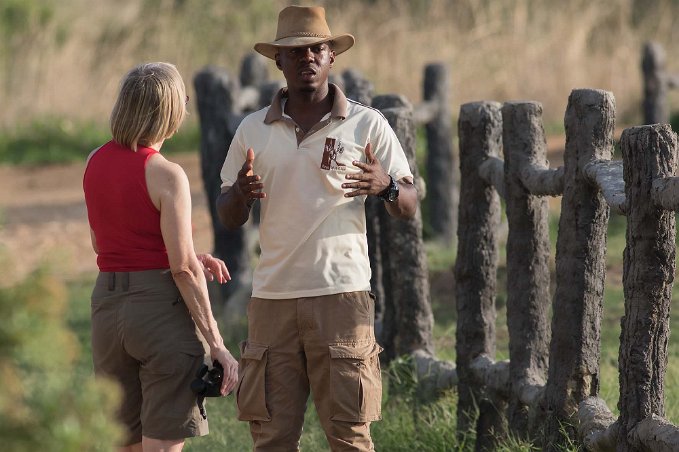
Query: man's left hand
{"type": "Point", "coordinates": [372, 181]}
{"type": "Point", "coordinates": [214, 268]}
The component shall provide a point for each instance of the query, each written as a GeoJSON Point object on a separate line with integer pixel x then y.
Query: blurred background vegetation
{"type": "Point", "coordinates": [49, 400]}
{"type": "Point", "coordinates": [61, 61]}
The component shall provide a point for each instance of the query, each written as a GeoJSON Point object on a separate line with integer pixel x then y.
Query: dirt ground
{"type": "Point", "coordinates": [43, 219]}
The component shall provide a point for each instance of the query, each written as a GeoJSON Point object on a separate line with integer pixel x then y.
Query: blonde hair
{"type": "Point", "coordinates": [150, 107]}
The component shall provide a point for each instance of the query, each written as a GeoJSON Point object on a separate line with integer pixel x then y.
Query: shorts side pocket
{"type": "Point", "coordinates": [356, 382]}
{"type": "Point", "coordinates": [251, 388]}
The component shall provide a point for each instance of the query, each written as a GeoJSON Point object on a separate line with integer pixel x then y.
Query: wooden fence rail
{"type": "Point", "coordinates": [650, 162]}
{"type": "Point", "coordinates": [542, 401]}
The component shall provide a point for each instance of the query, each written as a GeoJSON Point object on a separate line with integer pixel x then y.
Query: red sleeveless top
{"type": "Point", "coordinates": [125, 222]}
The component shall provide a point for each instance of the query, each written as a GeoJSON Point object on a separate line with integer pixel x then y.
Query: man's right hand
{"type": "Point", "coordinates": [248, 184]}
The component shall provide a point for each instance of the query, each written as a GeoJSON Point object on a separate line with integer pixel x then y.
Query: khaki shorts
{"type": "Point", "coordinates": [324, 346]}
{"type": "Point", "coordinates": [144, 338]}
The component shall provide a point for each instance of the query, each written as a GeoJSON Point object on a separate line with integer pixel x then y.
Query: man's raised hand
{"type": "Point", "coordinates": [248, 183]}
{"type": "Point", "coordinates": [371, 181]}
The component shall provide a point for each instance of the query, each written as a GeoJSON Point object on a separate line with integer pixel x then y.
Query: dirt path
{"type": "Point", "coordinates": [43, 219]}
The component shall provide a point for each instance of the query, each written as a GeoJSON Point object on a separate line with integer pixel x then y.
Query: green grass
{"type": "Point", "coordinates": [56, 140]}
{"type": "Point", "coordinates": [407, 424]}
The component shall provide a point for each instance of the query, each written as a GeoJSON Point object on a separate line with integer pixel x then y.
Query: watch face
{"type": "Point", "coordinates": [393, 191]}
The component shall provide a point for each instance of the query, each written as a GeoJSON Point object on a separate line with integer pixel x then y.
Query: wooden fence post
{"type": "Point", "coordinates": [408, 322]}
{"type": "Point", "coordinates": [254, 70]}
{"type": "Point", "coordinates": [216, 93]}
{"type": "Point", "coordinates": [357, 88]}
{"type": "Point", "coordinates": [443, 194]}
{"type": "Point", "coordinates": [480, 132]}
{"type": "Point", "coordinates": [580, 266]}
{"type": "Point", "coordinates": [527, 259]}
{"type": "Point", "coordinates": [656, 110]}
{"type": "Point", "coordinates": [649, 152]}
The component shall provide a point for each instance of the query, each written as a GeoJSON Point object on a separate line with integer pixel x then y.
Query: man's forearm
{"type": "Point", "coordinates": [232, 211]}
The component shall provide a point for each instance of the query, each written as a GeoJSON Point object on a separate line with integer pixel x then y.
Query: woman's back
{"type": "Point", "coordinates": [125, 221]}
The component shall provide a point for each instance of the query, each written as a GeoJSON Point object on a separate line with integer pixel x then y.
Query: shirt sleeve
{"type": "Point", "coordinates": [235, 158]}
{"type": "Point", "coordinates": [389, 152]}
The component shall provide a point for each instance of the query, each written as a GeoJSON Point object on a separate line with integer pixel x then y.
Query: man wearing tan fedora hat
{"type": "Point", "coordinates": [311, 158]}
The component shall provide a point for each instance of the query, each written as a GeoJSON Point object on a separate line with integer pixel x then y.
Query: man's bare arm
{"type": "Point", "coordinates": [405, 205]}
{"type": "Point", "coordinates": [233, 203]}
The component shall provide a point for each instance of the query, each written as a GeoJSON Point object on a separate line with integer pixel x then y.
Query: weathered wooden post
{"type": "Point", "coordinates": [649, 152]}
{"type": "Point", "coordinates": [408, 321]}
{"type": "Point", "coordinates": [359, 89]}
{"type": "Point", "coordinates": [254, 70]}
{"type": "Point", "coordinates": [216, 93]}
{"type": "Point", "coordinates": [443, 194]}
{"type": "Point", "coordinates": [480, 132]}
{"type": "Point", "coordinates": [580, 266]}
{"type": "Point", "coordinates": [527, 261]}
{"type": "Point", "coordinates": [656, 110]}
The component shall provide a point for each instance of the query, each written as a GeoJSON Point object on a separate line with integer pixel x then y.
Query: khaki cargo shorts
{"type": "Point", "coordinates": [144, 338]}
{"type": "Point", "coordinates": [324, 346]}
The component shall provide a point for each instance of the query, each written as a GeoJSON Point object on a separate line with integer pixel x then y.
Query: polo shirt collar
{"type": "Point", "coordinates": [339, 104]}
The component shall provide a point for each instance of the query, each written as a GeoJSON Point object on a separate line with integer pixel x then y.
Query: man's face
{"type": "Point", "coordinates": [306, 68]}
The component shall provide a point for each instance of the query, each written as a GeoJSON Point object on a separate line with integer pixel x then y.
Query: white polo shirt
{"type": "Point", "coordinates": [312, 239]}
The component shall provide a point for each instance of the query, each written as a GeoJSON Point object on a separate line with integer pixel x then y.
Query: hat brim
{"type": "Point", "coordinates": [340, 43]}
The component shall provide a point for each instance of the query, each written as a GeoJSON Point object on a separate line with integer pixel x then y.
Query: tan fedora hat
{"type": "Point", "coordinates": [303, 26]}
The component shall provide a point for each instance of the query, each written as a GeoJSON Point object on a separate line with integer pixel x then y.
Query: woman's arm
{"type": "Point", "coordinates": [168, 186]}
{"type": "Point", "coordinates": [93, 239]}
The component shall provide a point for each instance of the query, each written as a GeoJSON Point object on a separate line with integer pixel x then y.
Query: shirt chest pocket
{"type": "Point", "coordinates": [334, 162]}
{"type": "Point", "coordinates": [338, 153]}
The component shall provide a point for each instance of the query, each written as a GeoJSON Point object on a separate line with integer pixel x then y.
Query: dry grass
{"type": "Point", "coordinates": [70, 64]}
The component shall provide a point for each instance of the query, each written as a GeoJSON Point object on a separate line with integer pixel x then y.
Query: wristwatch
{"type": "Point", "coordinates": [389, 194]}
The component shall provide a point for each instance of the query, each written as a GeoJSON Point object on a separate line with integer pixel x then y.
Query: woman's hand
{"type": "Point", "coordinates": [214, 268]}
{"type": "Point", "coordinates": [230, 365]}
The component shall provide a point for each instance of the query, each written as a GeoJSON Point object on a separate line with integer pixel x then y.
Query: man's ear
{"type": "Point", "coordinates": [332, 57]}
{"type": "Point", "coordinates": [278, 61]}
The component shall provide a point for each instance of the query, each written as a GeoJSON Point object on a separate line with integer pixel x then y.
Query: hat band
{"type": "Point", "coordinates": [304, 34]}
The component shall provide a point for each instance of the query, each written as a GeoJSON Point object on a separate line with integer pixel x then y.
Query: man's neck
{"type": "Point", "coordinates": [308, 108]}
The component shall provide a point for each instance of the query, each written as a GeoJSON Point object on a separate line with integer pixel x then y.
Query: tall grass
{"type": "Point", "coordinates": [66, 58]}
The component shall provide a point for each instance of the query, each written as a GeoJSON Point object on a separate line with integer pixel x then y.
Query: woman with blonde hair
{"type": "Point", "coordinates": [150, 303]}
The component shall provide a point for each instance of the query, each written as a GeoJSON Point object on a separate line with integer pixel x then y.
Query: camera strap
{"type": "Point", "coordinates": [201, 407]}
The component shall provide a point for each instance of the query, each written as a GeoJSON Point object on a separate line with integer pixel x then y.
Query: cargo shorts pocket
{"type": "Point", "coordinates": [356, 382]}
{"type": "Point", "coordinates": [251, 388]}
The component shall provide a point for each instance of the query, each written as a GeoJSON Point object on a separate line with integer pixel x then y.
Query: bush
{"type": "Point", "coordinates": [45, 403]}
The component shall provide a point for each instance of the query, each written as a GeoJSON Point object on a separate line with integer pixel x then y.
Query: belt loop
{"type": "Point", "coordinates": [126, 281]}
{"type": "Point", "coordinates": [111, 281]}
